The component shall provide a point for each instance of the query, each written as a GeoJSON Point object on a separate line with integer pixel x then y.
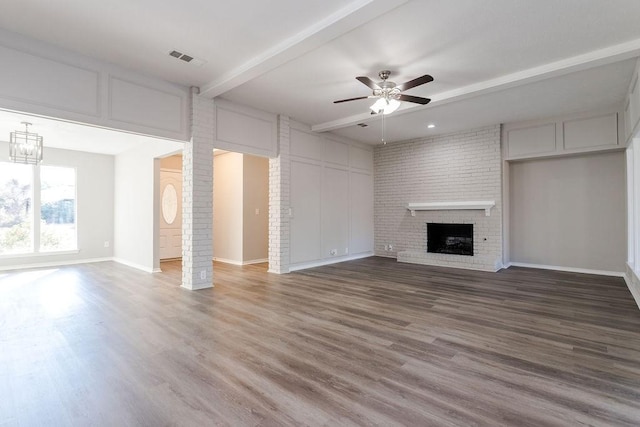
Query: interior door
{"type": "Point", "coordinates": [170, 214]}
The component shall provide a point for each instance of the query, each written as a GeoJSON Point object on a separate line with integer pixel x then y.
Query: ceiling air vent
{"type": "Point", "coordinates": [186, 58]}
{"type": "Point", "coordinates": [363, 125]}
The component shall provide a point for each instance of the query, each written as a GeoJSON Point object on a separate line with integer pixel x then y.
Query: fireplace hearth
{"type": "Point", "coordinates": [454, 239]}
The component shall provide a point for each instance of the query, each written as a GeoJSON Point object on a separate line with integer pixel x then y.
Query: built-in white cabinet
{"type": "Point", "coordinates": [564, 136]}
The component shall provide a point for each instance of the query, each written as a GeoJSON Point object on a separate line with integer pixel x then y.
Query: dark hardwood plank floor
{"type": "Point", "coordinates": [368, 342]}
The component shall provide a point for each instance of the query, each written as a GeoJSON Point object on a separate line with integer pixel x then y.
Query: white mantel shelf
{"type": "Point", "coordinates": [485, 205]}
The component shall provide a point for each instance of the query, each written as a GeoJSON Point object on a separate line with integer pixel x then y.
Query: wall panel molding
{"type": "Point", "coordinates": [42, 79]}
{"type": "Point", "coordinates": [51, 83]}
{"type": "Point", "coordinates": [563, 136]}
{"type": "Point", "coordinates": [143, 105]}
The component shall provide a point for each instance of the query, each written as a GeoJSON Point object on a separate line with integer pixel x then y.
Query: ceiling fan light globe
{"type": "Point", "coordinates": [385, 106]}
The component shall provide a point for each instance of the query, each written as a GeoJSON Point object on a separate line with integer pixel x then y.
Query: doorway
{"type": "Point", "coordinates": [240, 208]}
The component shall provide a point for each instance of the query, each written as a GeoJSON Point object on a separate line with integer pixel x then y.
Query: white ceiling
{"type": "Point", "coordinates": [72, 136]}
{"type": "Point", "coordinates": [493, 61]}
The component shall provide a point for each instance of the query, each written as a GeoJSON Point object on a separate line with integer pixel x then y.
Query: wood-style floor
{"type": "Point", "coordinates": [369, 342]}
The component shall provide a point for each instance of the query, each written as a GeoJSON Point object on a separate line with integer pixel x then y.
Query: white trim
{"type": "Point", "coordinates": [227, 261]}
{"type": "Point", "coordinates": [137, 266]}
{"type": "Point", "coordinates": [633, 283]}
{"type": "Point", "coordinates": [255, 261]}
{"type": "Point", "coordinates": [305, 265]}
{"type": "Point", "coordinates": [568, 269]}
{"type": "Point", "coordinates": [54, 264]}
{"type": "Point", "coordinates": [485, 205]}
{"type": "Point", "coordinates": [197, 288]}
{"type": "Point", "coordinates": [39, 254]}
{"type": "Point", "coordinates": [234, 262]}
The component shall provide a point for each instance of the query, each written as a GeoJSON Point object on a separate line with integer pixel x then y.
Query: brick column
{"type": "Point", "coordinates": [197, 196]}
{"type": "Point", "coordinates": [279, 196]}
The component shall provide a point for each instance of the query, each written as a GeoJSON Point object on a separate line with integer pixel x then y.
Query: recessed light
{"type": "Point", "coordinates": [431, 126]}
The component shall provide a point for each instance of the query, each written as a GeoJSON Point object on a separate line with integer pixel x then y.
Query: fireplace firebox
{"type": "Point", "coordinates": [456, 239]}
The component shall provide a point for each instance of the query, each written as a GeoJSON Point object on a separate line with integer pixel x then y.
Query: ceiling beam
{"type": "Point", "coordinates": [338, 23]}
{"type": "Point", "coordinates": [582, 62]}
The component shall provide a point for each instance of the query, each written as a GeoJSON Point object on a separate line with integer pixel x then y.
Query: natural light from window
{"type": "Point", "coordinates": [37, 209]}
{"type": "Point", "coordinates": [16, 208]}
{"type": "Point", "coordinates": [57, 208]}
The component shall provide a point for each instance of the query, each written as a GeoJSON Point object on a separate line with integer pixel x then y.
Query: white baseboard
{"type": "Point", "coordinates": [633, 283]}
{"type": "Point", "coordinates": [234, 262]}
{"type": "Point", "coordinates": [303, 266]}
{"type": "Point", "coordinates": [256, 261]}
{"type": "Point", "coordinates": [567, 269]}
{"type": "Point", "coordinates": [53, 264]}
{"type": "Point", "coordinates": [227, 261]}
{"type": "Point", "coordinates": [197, 288]}
{"type": "Point", "coordinates": [137, 266]}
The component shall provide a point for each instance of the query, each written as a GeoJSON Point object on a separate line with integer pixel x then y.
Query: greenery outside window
{"type": "Point", "coordinates": [37, 209]}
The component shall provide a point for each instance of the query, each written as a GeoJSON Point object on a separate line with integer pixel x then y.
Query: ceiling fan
{"type": "Point", "coordinates": [390, 94]}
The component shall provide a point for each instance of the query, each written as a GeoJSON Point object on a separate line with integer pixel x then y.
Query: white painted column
{"type": "Point", "coordinates": [197, 196]}
{"type": "Point", "coordinates": [279, 201]}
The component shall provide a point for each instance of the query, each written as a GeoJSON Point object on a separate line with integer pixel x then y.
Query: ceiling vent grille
{"type": "Point", "coordinates": [186, 58]}
{"type": "Point", "coordinates": [363, 125]}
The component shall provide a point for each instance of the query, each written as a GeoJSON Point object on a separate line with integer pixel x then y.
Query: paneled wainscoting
{"type": "Point", "coordinates": [367, 342]}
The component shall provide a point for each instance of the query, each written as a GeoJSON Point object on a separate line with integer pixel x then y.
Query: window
{"type": "Point", "coordinates": [16, 208]}
{"type": "Point", "coordinates": [57, 208]}
{"type": "Point", "coordinates": [37, 209]}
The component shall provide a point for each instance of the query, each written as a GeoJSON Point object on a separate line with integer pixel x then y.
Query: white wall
{"type": "Point", "coordinates": [137, 204]}
{"type": "Point", "coordinates": [569, 212]}
{"type": "Point", "coordinates": [95, 201]}
{"type": "Point", "coordinates": [331, 198]}
{"type": "Point", "coordinates": [227, 207]}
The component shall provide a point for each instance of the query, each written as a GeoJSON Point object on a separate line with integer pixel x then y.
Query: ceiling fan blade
{"type": "Point", "coordinates": [367, 81]}
{"type": "Point", "coordinates": [415, 82]}
{"type": "Point", "coordinates": [350, 99]}
{"type": "Point", "coordinates": [415, 99]}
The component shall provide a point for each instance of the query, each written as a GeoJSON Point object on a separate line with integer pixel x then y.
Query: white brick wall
{"type": "Point", "coordinates": [464, 166]}
{"type": "Point", "coordinates": [197, 196]}
{"type": "Point", "coordinates": [279, 201]}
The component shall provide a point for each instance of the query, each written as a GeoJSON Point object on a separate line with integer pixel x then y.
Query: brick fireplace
{"type": "Point", "coordinates": [447, 174]}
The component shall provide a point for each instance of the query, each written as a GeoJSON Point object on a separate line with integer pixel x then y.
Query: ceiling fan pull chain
{"type": "Point", "coordinates": [383, 141]}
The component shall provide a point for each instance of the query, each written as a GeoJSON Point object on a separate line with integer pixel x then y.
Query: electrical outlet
{"type": "Point", "coordinates": [257, 211]}
{"type": "Point", "coordinates": [203, 274]}
{"type": "Point", "coordinates": [106, 243]}
{"type": "Point", "coordinates": [390, 247]}
{"type": "Point", "coordinates": [333, 252]}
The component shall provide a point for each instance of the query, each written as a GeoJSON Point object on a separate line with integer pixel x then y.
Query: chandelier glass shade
{"type": "Point", "coordinates": [25, 146]}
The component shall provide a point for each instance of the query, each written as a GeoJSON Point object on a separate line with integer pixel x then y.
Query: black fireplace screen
{"type": "Point", "coordinates": [450, 238]}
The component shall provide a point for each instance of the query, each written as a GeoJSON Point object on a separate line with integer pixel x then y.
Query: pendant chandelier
{"type": "Point", "coordinates": [25, 147]}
